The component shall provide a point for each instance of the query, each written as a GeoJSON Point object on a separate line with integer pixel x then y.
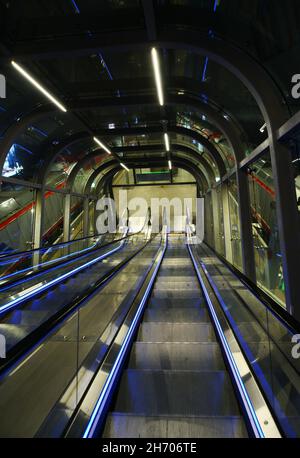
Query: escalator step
{"type": "Point", "coordinates": [179, 315]}
{"type": "Point", "coordinates": [169, 271]}
{"type": "Point", "coordinates": [156, 302]}
{"type": "Point", "coordinates": [186, 393]}
{"type": "Point", "coordinates": [176, 356]}
{"type": "Point", "coordinates": [186, 293]}
{"type": "Point", "coordinates": [176, 332]}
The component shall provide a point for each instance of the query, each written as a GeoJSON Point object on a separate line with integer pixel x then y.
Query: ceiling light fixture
{"type": "Point", "coordinates": [102, 145]}
{"type": "Point", "coordinates": [262, 129]}
{"type": "Point", "coordinates": [124, 166]}
{"type": "Point", "coordinates": [36, 84]}
{"type": "Point", "coordinates": [167, 142]}
{"type": "Point", "coordinates": [170, 164]}
{"type": "Point", "coordinates": [157, 76]}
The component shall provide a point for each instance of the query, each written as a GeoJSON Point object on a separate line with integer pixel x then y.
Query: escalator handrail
{"type": "Point", "coordinates": [32, 340]}
{"type": "Point", "coordinates": [74, 417]}
{"type": "Point", "coordinates": [251, 397]}
{"type": "Point", "coordinates": [70, 258]}
{"type": "Point", "coordinates": [288, 321]}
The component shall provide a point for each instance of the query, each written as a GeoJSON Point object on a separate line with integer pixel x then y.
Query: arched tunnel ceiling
{"type": "Point", "coordinates": [105, 78]}
{"type": "Point", "coordinates": [112, 167]}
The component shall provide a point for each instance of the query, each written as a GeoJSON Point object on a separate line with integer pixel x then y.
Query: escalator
{"type": "Point", "coordinates": [21, 319]}
{"type": "Point", "coordinates": [176, 383]}
{"type": "Point", "coordinates": [161, 349]}
{"type": "Point", "coordinates": [58, 367]}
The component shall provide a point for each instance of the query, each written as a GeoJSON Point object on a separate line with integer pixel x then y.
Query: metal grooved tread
{"type": "Point", "coordinates": [176, 383]}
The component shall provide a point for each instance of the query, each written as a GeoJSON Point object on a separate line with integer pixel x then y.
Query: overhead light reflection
{"type": "Point", "coordinates": [124, 166]}
{"type": "Point", "coordinates": [167, 142]}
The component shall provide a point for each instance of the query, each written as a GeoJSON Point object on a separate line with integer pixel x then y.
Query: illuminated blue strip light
{"type": "Point", "coordinates": [31, 293]}
{"type": "Point", "coordinates": [46, 263]}
{"type": "Point", "coordinates": [243, 392]}
{"type": "Point", "coordinates": [264, 382]}
{"type": "Point", "coordinates": [100, 405]}
{"type": "Point", "coordinates": [77, 11]}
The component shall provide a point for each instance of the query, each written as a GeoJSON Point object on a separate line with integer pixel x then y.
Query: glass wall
{"type": "Point", "coordinates": [268, 261]}
{"type": "Point", "coordinates": [76, 218]}
{"type": "Point", "coordinates": [219, 230]}
{"type": "Point", "coordinates": [53, 218]}
{"type": "Point", "coordinates": [208, 220]}
{"type": "Point", "coordinates": [234, 223]}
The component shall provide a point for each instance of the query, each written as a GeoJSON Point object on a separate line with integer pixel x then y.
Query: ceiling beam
{"type": "Point", "coordinates": [149, 15]}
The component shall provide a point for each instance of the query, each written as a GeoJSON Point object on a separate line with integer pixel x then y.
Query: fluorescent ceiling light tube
{"type": "Point", "coordinates": [170, 164]}
{"type": "Point", "coordinates": [29, 292]}
{"type": "Point", "coordinates": [167, 142]}
{"type": "Point", "coordinates": [124, 166]}
{"type": "Point", "coordinates": [157, 76]}
{"type": "Point", "coordinates": [102, 145]}
{"type": "Point", "coordinates": [262, 129]}
{"type": "Point", "coordinates": [38, 85]}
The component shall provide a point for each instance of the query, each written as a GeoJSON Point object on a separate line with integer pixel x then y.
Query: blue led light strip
{"type": "Point", "coordinates": [100, 405]}
{"type": "Point", "coordinates": [46, 263]}
{"type": "Point", "coordinates": [241, 387]}
{"type": "Point", "coordinates": [31, 293]}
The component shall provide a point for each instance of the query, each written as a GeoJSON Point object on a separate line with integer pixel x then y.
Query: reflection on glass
{"type": "Point", "coordinates": [17, 207]}
{"type": "Point", "coordinates": [220, 235]}
{"type": "Point", "coordinates": [234, 223]}
{"type": "Point", "coordinates": [53, 218]}
{"type": "Point", "coordinates": [268, 261]}
{"type": "Point", "coordinates": [76, 218]}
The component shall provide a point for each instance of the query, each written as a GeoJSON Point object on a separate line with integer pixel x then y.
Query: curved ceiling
{"type": "Point", "coordinates": [217, 58]}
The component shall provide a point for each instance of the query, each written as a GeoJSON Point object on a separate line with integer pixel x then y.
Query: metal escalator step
{"type": "Point", "coordinates": [177, 278]}
{"type": "Point", "coordinates": [176, 332]}
{"type": "Point", "coordinates": [186, 293]}
{"type": "Point", "coordinates": [176, 356]}
{"type": "Point", "coordinates": [184, 393]}
{"type": "Point", "coordinates": [157, 302]}
{"type": "Point", "coordinates": [168, 271]}
{"type": "Point", "coordinates": [176, 315]}
{"type": "Point", "coordinates": [134, 426]}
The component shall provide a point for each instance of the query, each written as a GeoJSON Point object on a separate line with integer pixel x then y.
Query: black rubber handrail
{"type": "Point", "coordinates": [87, 389]}
{"type": "Point", "coordinates": [33, 339]}
{"type": "Point", "coordinates": [72, 256]}
{"type": "Point", "coordinates": [54, 265]}
{"type": "Point", "coordinates": [45, 248]}
{"type": "Point", "coordinates": [277, 310]}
